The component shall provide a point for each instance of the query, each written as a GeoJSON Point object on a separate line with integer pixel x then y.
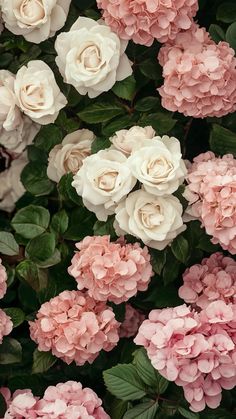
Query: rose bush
{"type": "Point", "coordinates": [117, 209]}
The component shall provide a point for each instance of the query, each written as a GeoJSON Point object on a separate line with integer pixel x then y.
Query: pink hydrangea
{"type": "Point", "coordinates": [3, 280]}
{"type": "Point", "coordinates": [132, 321]}
{"type": "Point", "coordinates": [211, 193]}
{"type": "Point", "coordinates": [195, 350]}
{"type": "Point", "coordinates": [199, 75]}
{"type": "Point", "coordinates": [6, 325]}
{"type": "Point", "coordinates": [75, 327]}
{"type": "Point", "coordinates": [146, 20]}
{"type": "Point", "coordinates": [65, 400]}
{"type": "Point", "coordinates": [111, 271]}
{"type": "Point", "coordinates": [213, 279]}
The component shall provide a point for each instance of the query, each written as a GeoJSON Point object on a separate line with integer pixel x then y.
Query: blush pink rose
{"type": "Point", "coordinates": [3, 280]}
{"type": "Point", "coordinates": [6, 325]}
{"type": "Point", "coordinates": [132, 321]}
{"type": "Point", "coordinates": [199, 75]}
{"type": "Point", "coordinates": [111, 271]}
{"type": "Point", "coordinates": [146, 20]}
{"type": "Point", "coordinates": [211, 193]}
{"type": "Point", "coordinates": [75, 327]}
{"type": "Point", "coordinates": [213, 279]}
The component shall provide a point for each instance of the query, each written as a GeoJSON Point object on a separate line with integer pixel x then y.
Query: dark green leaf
{"type": "Point", "coordinates": [118, 408]}
{"type": "Point", "coordinates": [16, 314]}
{"type": "Point", "coordinates": [124, 382]}
{"type": "Point", "coordinates": [122, 122]}
{"type": "Point", "coordinates": [147, 104]}
{"type": "Point", "coordinates": [161, 122]}
{"type": "Point", "coordinates": [222, 140]}
{"type": "Point", "coordinates": [42, 361]}
{"type": "Point", "coordinates": [151, 69]}
{"type": "Point", "coordinates": [60, 222]}
{"type": "Point", "coordinates": [144, 368]}
{"type": "Point", "coordinates": [48, 137]}
{"type": "Point", "coordinates": [231, 35]}
{"type": "Point", "coordinates": [226, 12]}
{"type": "Point", "coordinates": [100, 112]}
{"type": "Point", "coordinates": [8, 245]}
{"type": "Point", "coordinates": [100, 144]}
{"type": "Point", "coordinates": [146, 410]}
{"type": "Point", "coordinates": [53, 260]}
{"type": "Point", "coordinates": [125, 88]}
{"type": "Point", "coordinates": [180, 249]}
{"type": "Point", "coordinates": [217, 33]}
{"type": "Point", "coordinates": [158, 260]}
{"type": "Point", "coordinates": [171, 269]}
{"type": "Point", "coordinates": [35, 180]}
{"type": "Point", "coordinates": [31, 221]}
{"type": "Point", "coordinates": [10, 351]}
{"type": "Point", "coordinates": [41, 248]}
{"type": "Point", "coordinates": [34, 277]}
{"type": "Point", "coordinates": [187, 414]}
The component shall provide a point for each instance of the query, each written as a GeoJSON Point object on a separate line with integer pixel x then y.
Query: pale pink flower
{"type": "Point", "coordinates": [75, 327]}
{"type": "Point", "coordinates": [111, 271]}
{"type": "Point", "coordinates": [3, 280]}
{"type": "Point", "coordinates": [132, 321]}
{"type": "Point", "coordinates": [6, 325]}
{"type": "Point", "coordinates": [213, 279]}
{"type": "Point", "coordinates": [199, 75]}
{"type": "Point", "coordinates": [211, 193]}
{"type": "Point", "coordinates": [146, 20]}
{"type": "Point", "coordinates": [22, 405]}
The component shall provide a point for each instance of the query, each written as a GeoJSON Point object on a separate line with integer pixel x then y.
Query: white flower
{"type": "Point", "coordinates": [91, 57]}
{"type": "Point", "coordinates": [19, 138]}
{"type": "Point", "coordinates": [11, 188]}
{"type": "Point", "coordinates": [103, 180]}
{"type": "Point", "coordinates": [36, 20]}
{"type": "Point", "coordinates": [126, 140]}
{"type": "Point", "coordinates": [37, 92]}
{"type": "Point", "coordinates": [158, 165]}
{"type": "Point", "coordinates": [69, 155]}
{"type": "Point", "coordinates": [10, 115]}
{"type": "Point", "coordinates": [153, 219]}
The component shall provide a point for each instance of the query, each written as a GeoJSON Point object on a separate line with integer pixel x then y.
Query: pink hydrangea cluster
{"type": "Point", "coordinates": [199, 75]}
{"type": "Point", "coordinates": [111, 271]}
{"type": "Point", "coordinates": [6, 325]}
{"type": "Point", "coordinates": [65, 400]}
{"type": "Point", "coordinates": [146, 20]}
{"type": "Point", "coordinates": [196, 350]}
{"type": "Point", "coordinates": [3, 280]}
{"type": "Point", "coordinates": [213, 279]}
{"type": "Point", "coordinates": [211, 193]}
{"type": "Point", "coordinates": [75, 327]}
{"type": "Point", "coordinates": [132, 321]}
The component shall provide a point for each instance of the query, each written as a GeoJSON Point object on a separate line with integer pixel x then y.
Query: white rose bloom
{"type": "Point", "coordinates": [91, 57]}
{"type": "Point", "coordinates": [11, 188]}
{"type": "Point", "coordinates": [158, 165]}
{"type": "Point", "coordinates": [153, 219]}
{"type": "Point", "coordinates": [37, 92]}
{"type": "Point", "coordinates": [36, 20]}
{"type": "Point", "coordinates": [18, 139]}
{"type": "Point", "coordinates": [103, 180]}
{"type": "Point", "coordinates": [69, 155]}
{"type": "Point", "coordinates": [126, 140]}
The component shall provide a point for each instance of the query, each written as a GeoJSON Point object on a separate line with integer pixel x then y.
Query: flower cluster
{"type": "Point", "coordinates": [131, 323]}
{"type": "Point", "coordinates": [35, 20]}
{"type": "Point", "coordinates": [75, 327]}
{"type": "Point", "coordinates": [199, 75]}
{"type": "Point", "coordinates": [106, 179]}
{"type": "Point", "coordinates": [213, 279]}
{"type": "Point", "coordinates": [145, 20]}
{"type": "Point", "coordinates": [62, 401]}
{"type": "Point", "coordinates": [196, 350]}
{"type": "Point", "coordinates": [211, 193]}
{"type": "Point", "coordinates": [111, 271]}
{"type": "Point", "coordinates": [6, 325]}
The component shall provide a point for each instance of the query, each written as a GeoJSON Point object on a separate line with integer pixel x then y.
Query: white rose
{"type": "Point", "coordinates": [18, 139]}
{"type": "Point", "coordinates": [11, 188]}
{"type": "Point", "coordinates": [69, 155]}
{"type": "Point", "coordinates": [37, 92]}
{"type": "Point", "coordinates": [10, 115]}
{"type": "Point", "coordinates": [103, 180]}
{"type": "Point", "coordinates": [153, 219]}
{"type": "Point", "coordinates": [36, 20]}
{"type": "Point", "coordinates": [158, 165]}
{"type": "Point", "coordinates": [126, 139]}
{"type": "Point", "coordinates": [91, 57]}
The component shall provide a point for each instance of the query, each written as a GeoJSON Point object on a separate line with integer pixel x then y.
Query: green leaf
{"type": "Point", "coordinates": [146, 410]}
{"type": "Point", "coordinates": [53, 260]}
{"type": "Point", "coordinates": [125, 88]}
{"type": "Point", "coordinates": [187, 414]}
{"type": "Point", "coordinates": [144, 368]}
{"type": "Point", "coordinates": [160, 121]}
{"type": "Point", "coordinates": [151, 69]}
{"type": "Point", "coordinates": [31, 221]}
{"type": "Point", "coordinates": [100, 144]}
{"type": "Point", "coordinates": [42, 361]}
{"type": "Point", "coordinates": [34, 277]}
{"type": "Point", "coordinates": [180, 249]}
{"type": "Point", "coordinates": [35, 180]}
{"type": "Point", "coordinates": [231, 35]}
{"type": "Point", "coordinates": [118, 408]}
{"type": "Point", "coordinates": [217, 33]}
{"type": "Point", "coordinates": [226, 12]}
{"type": "Point", "coordinates": [36, 154]}
{"type": "Point", "coordinates": [67, 191]}
{"type": "Point", "coordinates": [48, 137]}
{"type": "Point", "coordinates": [100, 112]}
{"type": "Point", "coordinates": [158, 260]}
{"type": "Point", "coordinates": [3, 406]}
{"type": "Point", "coordinates": [41, 248]}
{"type": "Point", "coordinates": [171, 269]}
{"type": "Point", "coordinates": [119, 310]}
{"type": "Point", "coordinates": [60, 222]}
{"type": "Point", "coordinates": [124, 382]}
{"type": "Point", "coordinates": [10, 351]}
{"type": "Point", "coordinates": [116, 124]}
{"type": "Point", "coordinates": [222, 140]}
{"type": "Point", "coordinates": [16, 314]}
{"type": "Point", "coordinates": [102, 228]}
{"type": "Point", "coordinates": [147, 104]}
{"type": "Point", "coordinates": [8, 245]}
